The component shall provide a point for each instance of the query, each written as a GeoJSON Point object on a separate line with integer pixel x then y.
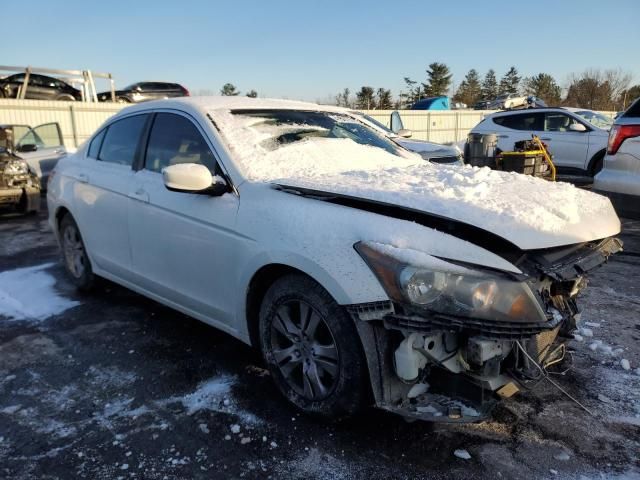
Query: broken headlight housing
{"type": "Point", "coordinates": [449, 289]}
{"type": "Point", "coordinates": [16, 167]}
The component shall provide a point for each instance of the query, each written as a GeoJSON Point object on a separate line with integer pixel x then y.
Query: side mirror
{"type": "Point", "coordinates": [27, 147]}
{"type": "Point", "coordinates": [193, 178]}
{"type": "Point", "coordinates": [577, 127]}
{"type": "Point", "coordinates": [396, 122]}
{"type": "Point", "coordinates": [404, 133]}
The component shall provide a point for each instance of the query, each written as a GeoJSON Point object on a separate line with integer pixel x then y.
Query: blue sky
{"type": "Point", "coordinates": [313, 49]}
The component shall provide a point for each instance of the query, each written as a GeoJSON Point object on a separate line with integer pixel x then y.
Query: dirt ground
{"type": "Point", "coordinates": [114, 386]}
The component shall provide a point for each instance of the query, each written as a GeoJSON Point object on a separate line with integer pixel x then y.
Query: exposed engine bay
{"type": "Point", "coordinates": [456, 366]}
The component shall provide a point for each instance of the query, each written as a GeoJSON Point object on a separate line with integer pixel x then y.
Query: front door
{"type": "Point", "coordinates": [45, 148]}
{"type": "Point", "coordinates": [569, 148]}
{"type": "Point", "coordinates": [183, 245]}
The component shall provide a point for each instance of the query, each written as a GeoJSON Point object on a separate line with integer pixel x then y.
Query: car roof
{"type": "Point", "coordinates": [208, 104]}
{"type": "Point", "coordinates": [536, 109]}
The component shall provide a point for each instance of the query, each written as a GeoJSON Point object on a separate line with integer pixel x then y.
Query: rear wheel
{"type": "Point", "coordinates": [596, 164]}
{"type": "Point", "coordinates": [312, 348]}
{"type": "Point", "coordinates": [74, 255]}
{"type": "Point", "coordinates": [66, 98]}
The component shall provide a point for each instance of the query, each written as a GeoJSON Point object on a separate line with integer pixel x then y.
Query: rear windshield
{"type": "Point", "coordinates": [633, 110]}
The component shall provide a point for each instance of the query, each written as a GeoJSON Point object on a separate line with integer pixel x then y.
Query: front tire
{"type": "Point", "coordinates": [74, 255]}
{"type": "Point", "coordinates": [312, 348]}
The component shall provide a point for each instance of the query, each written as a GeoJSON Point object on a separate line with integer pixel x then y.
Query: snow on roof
{"type": "Point", "coordinates": [241, 102]}
{"type": "Point", "coordinates": [531, 212]}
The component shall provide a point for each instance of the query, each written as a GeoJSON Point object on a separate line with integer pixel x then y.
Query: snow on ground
{"type": "Point", "coordinates": [29, 293]}
{"type": "Point", "coordinates": [509, 204]}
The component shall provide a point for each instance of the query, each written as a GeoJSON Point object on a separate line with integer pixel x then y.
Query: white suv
{"type": "Point", "coordinates": [363, 273]}
{"type": "Point", "coordinates": [620, 177]}
{"type": "Point", "coordinates": [577, 138]}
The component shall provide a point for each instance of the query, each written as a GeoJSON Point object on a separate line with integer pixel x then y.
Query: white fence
{"type": "Point", "coordinates": [440, 126]}
{"type": "Point", "coordinates": [78, 120]}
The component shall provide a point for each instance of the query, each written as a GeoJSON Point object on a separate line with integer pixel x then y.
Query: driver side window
{"type": "Point", "coordinates": [174, 139]}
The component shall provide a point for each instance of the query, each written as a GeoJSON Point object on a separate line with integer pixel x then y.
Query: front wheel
{"type": "Point", "coordinates": [74, 255]}
{"type": "Point", "coordinates": [312, 348]}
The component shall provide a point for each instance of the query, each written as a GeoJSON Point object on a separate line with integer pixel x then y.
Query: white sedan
{"type": "Point", "coordinates": [576, 137]}
{"type": "Point", "coordinates": [363, 274]}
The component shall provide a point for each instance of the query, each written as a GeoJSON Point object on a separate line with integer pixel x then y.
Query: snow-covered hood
{"type": "Point", "coordinates": [530, 213]}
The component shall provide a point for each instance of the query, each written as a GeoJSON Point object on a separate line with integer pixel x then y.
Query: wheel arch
{"type": "Point", "coordinates": [257, 288]}
{"type": "Point", "coordinates": [599, 155]}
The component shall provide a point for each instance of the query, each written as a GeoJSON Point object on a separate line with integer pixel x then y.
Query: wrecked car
{"type": "Point", "coordinates": [362, 273]}
{"type": "Point", "coordinates": [19, 185]}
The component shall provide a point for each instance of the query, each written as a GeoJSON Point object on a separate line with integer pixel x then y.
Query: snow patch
{"type": "Point", "coordinates": [28, 293]}
{"type": "Point", "coordinates": [463, 454]}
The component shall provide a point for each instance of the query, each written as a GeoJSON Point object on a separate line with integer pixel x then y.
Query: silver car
{"type": "Point", "coordinates": [620, 175]}
{"type": "Point", "coordinates": [430, 151]}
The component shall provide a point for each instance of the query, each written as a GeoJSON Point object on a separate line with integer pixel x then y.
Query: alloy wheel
{"type": "Point", "coordinates": [304, 349]}
{"type": "Point", "coordinates": [73, 249]}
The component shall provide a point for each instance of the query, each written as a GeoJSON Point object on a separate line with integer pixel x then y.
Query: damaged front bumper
{"type": "Point", "coordinates": [429, 366]}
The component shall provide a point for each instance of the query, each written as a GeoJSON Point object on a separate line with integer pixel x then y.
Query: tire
{"type": "Point", "coordinates": [66, 98]}
{"type": "Point", "coordinates": [74, 255]}
{"type": "Point", "coordinates": [596, 164]}
{"type": "Point", "coordinates": [320, 368]}
{"type": "Point", "coordinates": [122, 100]}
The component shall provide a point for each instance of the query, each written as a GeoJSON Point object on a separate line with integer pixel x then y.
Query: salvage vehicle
{"type": "Point", "coordinates": [364, 274]}
{"type": "Point", "coordinates": [430, 151]}
{"type": "Point", "coordinates": [19, 186]}
{"type": "Point", "coordinates": [145, 91]}
{"type": "Point", "coordinates": [577, 137]}
{"type": "Point", "coordinates": [619, 179]}
{"type": "Point", "coordinates": [41, 147]}
{"type": "Point", "coordinates": [38, 87]}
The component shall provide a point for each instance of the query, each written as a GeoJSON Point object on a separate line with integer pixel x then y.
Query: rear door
{"type": "Point", "coordinates": [517, 126]}
{"type": "Point", "coordinates": [101, 193]}
{"type": "Point", "coordinates": [48, 143]}
{"type": "Point", "coordinates": [569, 148]}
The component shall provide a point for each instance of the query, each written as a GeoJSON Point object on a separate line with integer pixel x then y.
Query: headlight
{"type": "Point", "coordinates": [450, 289]}
{"type": "Point", "coordinates": [16, 167]}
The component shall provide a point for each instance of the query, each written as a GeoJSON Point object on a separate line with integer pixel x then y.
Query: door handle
{"type": "Point", "coordinates": [141, 195]}
{"type": "Point", "coordinates": [503, 136]}
{"type": "Point", "coordinates": [83, 177]}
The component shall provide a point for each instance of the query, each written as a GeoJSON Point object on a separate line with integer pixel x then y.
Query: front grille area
{"type": "Point", "coordinates": [487, 328]}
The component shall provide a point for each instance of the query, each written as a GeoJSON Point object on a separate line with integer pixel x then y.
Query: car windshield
{"type": "Point", "coordinates": [595, 118]}
{"type": "Point", "coordinates": [279, 128]}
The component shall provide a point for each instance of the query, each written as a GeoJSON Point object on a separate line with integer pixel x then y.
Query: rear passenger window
{"type": "Point", "coordinates": [121, 140]}
{"type": "Point", "coordinates": [175, 139]}
{"type": "Point", "coordinates": [96, 143]}
{"type": "Point", "coordinates": [522, 121]}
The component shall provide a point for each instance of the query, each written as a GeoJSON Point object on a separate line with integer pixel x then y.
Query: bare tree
{"type": "Point", "coordinates": [598, 89]}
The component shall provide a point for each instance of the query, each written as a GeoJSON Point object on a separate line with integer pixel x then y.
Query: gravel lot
{"type": "Point", "coordinates": [113, 385]}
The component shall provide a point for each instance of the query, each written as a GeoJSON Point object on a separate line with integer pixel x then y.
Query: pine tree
{"type": "Point", "coordinates": [365, 99]}
{"type": "Point", "coordinates": [385, 102]}
{"type": "Point", "coordinates": [438, 80]}
{"type": "Point", "coordinates": [470, 90]}
{"type": "Point", "coordinates": [544, 87]}
{"type": "Point", "coordinates": [510, 83]}
{"type": "Point", "coordinates": [252, 94]}
{"type": "Point", "coordinates": [229, 90]}
{"type": "Point", "coordinates": [489, 86]}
